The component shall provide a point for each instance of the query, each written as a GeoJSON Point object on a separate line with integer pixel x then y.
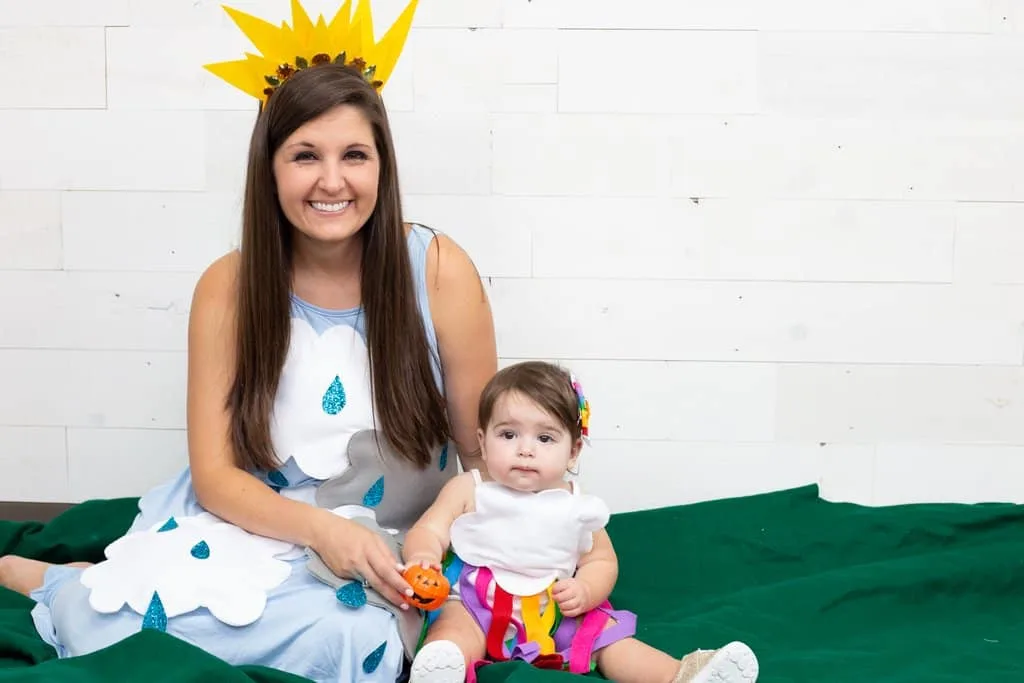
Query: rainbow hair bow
{"type": "Point", "coordinates": [583, 405]}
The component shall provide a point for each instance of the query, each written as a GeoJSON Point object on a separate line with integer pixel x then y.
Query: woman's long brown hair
{"type": "Point", "coordinates": [410, 407]}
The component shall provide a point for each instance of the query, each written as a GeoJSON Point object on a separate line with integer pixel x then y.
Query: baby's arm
{"type": "Point", "coordinates": [428, 539]}
{"type": "Point", "coordinates": [595, 578]}
{"type": "Point", "coordinates": [599, 569]}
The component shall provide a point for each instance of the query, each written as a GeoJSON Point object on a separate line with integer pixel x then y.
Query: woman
{"type": "Point", "coordinates": [333, 321]}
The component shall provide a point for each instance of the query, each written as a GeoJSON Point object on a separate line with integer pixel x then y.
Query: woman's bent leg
{"type": "Point", "coordinates": [22, 574]}
{"type": "Point", "coordinates": [303, 630]}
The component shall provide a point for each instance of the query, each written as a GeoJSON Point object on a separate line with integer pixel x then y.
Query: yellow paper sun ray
{"type": "Point", "coordinates": [320, 39]}
{"type": "Point", "coordinates": [361, 33]}
{"type": "Point", "coordinates": [286, 49]}
{"type": "Point", "coordinates": [302, 28]}
{"type": "Point", "coordinates": [272, 42]}
{"type": "Point", "coordinates": [339, 25]}
{"type": "Point", "coordinates": [244, 74]}
{"type": "Point", "coordinates": [389, 49]}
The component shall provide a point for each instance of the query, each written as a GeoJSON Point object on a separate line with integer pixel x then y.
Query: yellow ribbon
{"type": "Point", "coordinates": [538, 626]}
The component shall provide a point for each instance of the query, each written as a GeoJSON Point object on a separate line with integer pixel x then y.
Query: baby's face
{"type": "Point", "coordinates": [526, 448]}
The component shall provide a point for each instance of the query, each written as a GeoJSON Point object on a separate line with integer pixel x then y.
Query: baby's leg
{"type": "Point", "coordinates": [453, 642]}
{"type": "Point", "coordinates": [632, 661]}
{"type": "Point", "coordinates": [24, 575]}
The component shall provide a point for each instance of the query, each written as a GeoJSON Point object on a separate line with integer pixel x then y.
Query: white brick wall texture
{"type": "Point", "coordinates": [780, 243]}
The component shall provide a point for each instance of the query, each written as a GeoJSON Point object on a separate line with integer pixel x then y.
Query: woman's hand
{"type": "Point", "coordinates": [352, 551]}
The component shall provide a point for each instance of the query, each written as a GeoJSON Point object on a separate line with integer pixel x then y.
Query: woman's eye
{"type": "Point", "coordinates": [359, 156]}
{"type": "Point", "coordinates": [304, 156]}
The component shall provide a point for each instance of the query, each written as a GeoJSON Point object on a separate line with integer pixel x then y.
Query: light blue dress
{"type": "Point", "coordinates": [302, 628]}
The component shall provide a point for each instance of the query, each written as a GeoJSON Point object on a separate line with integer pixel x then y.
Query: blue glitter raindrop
{"type": "Point", "coordinates": [278, 479]}
{"type": "Point", "coordinates": [373, 659]}
{"type": "Point", "coordinates": [444, 458]}
{"type": "Point", "coordinates": [201, 550]}
{"type": "Point", "coordinates": [155, 618]}
{"type": "Point", "coordinates": [169, 525]}
{"type": "Point", "coordinates": [375, 495]}
{"type": "Point", "coordinates": [352, 594]}
{"type": "Point", "coordinates": [334, 397]}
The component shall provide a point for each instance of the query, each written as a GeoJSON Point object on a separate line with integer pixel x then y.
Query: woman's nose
{"type": "Point", "coordinates": [332, 178]}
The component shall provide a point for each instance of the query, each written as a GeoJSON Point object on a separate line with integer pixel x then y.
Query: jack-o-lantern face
{"type": "Point", "coordinates": [430, 588]}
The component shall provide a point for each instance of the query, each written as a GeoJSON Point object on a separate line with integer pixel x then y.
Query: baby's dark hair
{"type": "Point", "coordinates": [546, 384]}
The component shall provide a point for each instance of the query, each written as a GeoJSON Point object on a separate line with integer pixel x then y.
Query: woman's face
{"type": "Point", "coordinates": [327, 173]}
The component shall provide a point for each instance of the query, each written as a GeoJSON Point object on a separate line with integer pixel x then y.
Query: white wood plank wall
{"type": "Point", "coordinates": [780, 243]}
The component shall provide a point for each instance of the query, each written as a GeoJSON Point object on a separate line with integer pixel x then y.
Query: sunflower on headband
{"type": "Point", "coordinates": [345, 39]}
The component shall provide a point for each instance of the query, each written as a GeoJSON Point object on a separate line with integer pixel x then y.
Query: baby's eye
{"type": "Point", "coordinates": [507, 435]}
{"type": "Point", "coordinates": [544, 438]}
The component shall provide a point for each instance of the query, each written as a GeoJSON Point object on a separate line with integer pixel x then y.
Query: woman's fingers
{"type": "Point", "coordinates": [389, 582]}
{"type": "Point", "coordinates": [369, 559]}
{"type": "Point", "coordinates": [387, 590]}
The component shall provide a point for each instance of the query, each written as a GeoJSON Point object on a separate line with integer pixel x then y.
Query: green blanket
{"type": "Point", "coordinates": [820, 591]}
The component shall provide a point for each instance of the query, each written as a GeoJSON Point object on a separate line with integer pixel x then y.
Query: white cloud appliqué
{"type": "Point", "coordinates": [323, 399]}
{"type": "Point", "coordinates": [197, 561]}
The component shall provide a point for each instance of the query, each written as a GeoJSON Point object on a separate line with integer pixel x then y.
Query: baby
{"type": "Point", "coordinates": [537, 566]}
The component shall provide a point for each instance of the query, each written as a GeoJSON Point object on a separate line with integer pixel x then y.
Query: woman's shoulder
{"type": "Point", "coordinates": [449, 267]}
{"type": "Point", "coordinates": [218, 284]}
{"type": "Point", "coordinates": [454, 287]}
{"type": "Point", "coordinates": [459, 304]}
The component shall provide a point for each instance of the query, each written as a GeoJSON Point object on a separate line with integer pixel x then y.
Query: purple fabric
{"type": "Point", "coordinates": [625, 624]}
{"type": "Point", "coordinates": [625, 627]}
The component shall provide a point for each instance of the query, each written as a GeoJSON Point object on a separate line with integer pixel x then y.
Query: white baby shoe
{"type": "Point", "coordinates": [438, 662]}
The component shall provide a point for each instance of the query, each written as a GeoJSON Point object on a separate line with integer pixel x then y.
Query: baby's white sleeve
{"type": "Point", "coordinates": [592, 514]}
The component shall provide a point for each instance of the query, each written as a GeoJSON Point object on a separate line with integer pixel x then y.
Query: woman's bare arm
{"type": "Point", "coordinates": [465, 338]}
{"type": "Point", "coordinates": [221, 486]}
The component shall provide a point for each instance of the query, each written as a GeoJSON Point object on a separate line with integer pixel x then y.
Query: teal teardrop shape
{"type": "Point", "coordinates": [155, 618]}
{"type": "Point", "coordinates": [373, 659]}
{"type": "Point", "coordinates": [375, 495]}
{"type": "Point", "coordinates": [352, 594]}
{"type": "Point", "coordinates": [334, 397]}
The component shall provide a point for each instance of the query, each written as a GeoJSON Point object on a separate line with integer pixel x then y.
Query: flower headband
{"type": "Point", "coordinates": [584, 409]}
{"type": "Point", "coordinates": [286, 49]}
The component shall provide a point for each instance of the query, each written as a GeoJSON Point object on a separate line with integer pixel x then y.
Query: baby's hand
{"type": "Point", "coordinates": [422, 561]}
{"type": "Point", "coordinates": [572, 596]}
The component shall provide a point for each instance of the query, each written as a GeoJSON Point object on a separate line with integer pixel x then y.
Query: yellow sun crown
{"type": "Point", "coordinates": [346, 39]}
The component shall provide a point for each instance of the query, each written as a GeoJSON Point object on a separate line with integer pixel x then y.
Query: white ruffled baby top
{"type": "Point", "coordinates": [528, 540]}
